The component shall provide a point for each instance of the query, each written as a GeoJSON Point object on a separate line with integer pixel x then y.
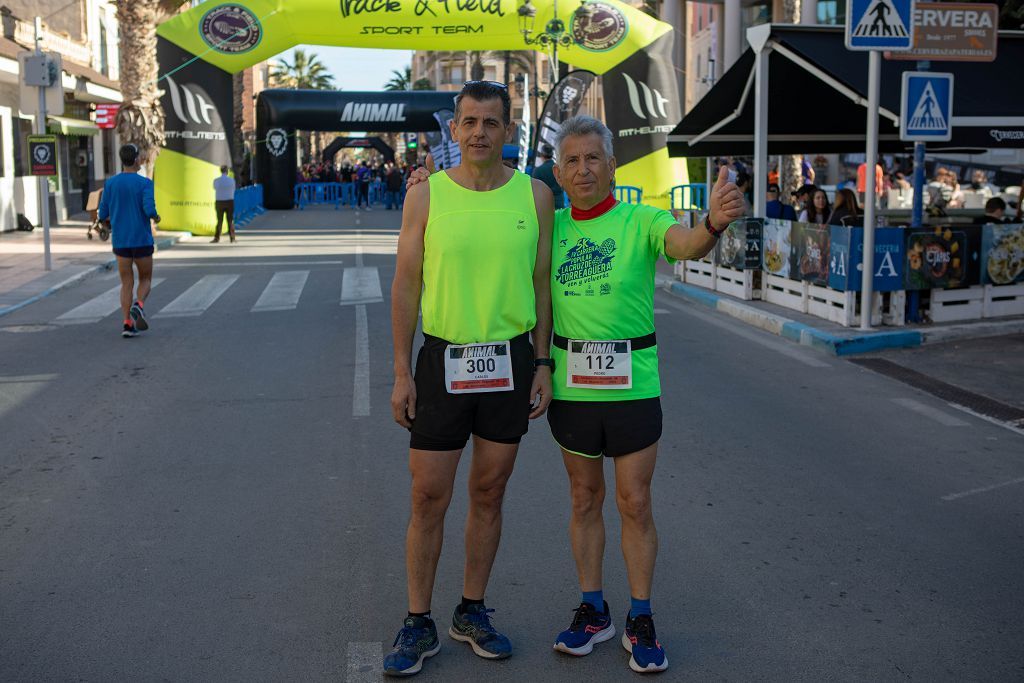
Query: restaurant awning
{"type": "Point", "coordinates": [816, 99]}
{"type": "Point", "coordinates": [62, 125]}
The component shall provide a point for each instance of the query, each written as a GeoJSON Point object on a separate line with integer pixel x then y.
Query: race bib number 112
{"type": "Point", "coordinates": [599, 364]}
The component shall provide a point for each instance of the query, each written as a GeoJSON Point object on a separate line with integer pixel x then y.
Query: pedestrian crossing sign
{"type": "Point", "coordinates": [926, 107]}
{"type": "Point", "coordinates": [880, 25]}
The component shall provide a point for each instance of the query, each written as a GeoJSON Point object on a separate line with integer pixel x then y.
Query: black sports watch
{"type": "Point", "coordinates": [549, 362]}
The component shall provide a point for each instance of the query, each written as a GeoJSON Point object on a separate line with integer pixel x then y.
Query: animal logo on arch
{"type": "Point", "coordinates": [598, 26]}
{"type": "Point", "coordinates": [231, 29]}
{"type": "Point", "coordinates": [277, 141]}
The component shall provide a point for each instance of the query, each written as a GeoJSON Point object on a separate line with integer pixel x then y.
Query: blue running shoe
{"type": "Point", "coordinates": [588, 628]}
{"type": "Point", "coordinates": [414, 643]}
{"type": "Point", "coordinates": [474, 627]}
{"type": "Point", "coordinates": [641, 641]}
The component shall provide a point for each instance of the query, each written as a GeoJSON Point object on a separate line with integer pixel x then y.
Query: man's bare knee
{"type": "Point", "coordinates": [635, 506]}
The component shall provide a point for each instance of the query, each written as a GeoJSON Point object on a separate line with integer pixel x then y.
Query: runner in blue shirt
{"type": "Point", "coordinates": [128, 205]}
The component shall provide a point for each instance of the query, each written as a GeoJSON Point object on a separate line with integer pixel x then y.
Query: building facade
{"type": "Point", "coordinates": [85, 34]}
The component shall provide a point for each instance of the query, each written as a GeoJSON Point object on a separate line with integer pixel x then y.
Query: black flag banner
{"type": "Point", "coordinates": [641, 100]}
{"type": "Point", "coordinates": [563, 103]}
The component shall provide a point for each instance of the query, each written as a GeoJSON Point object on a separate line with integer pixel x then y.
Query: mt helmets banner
{"type": "Point", "coordinates": [610, 36]}
{"type": "Point", "coordinates": [563, 103]}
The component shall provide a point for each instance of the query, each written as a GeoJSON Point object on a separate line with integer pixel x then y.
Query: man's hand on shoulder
{"type": "Point", "coordinates": [420, 175]}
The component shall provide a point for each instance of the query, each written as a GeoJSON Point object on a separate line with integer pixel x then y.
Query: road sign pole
{"type": "Point", "coordinates": [868, 258]}
{"type": "Point", "coordinates": [44, 182]}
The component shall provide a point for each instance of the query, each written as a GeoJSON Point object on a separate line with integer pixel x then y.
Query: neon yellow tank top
{"type": "Point", "coordinates": [479, 251]}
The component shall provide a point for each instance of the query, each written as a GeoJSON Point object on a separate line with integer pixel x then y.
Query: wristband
{"type": "Point", "coordinates": [548, 362]}
{"type": "Point", "coordinates": [707, 225]}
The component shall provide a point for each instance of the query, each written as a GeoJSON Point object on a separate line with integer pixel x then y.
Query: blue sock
{"type": "Point", "coordinates": [595, 598]}
{"type": "Point", "coordinates": [638, 607]}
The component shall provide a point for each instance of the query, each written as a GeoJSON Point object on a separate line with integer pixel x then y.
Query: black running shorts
{"type": "Point", "coordinates": [445, 421]}
{"type": "Point", "coordinates": [611, 428]}
{"type": "Point", "coordinates": [134, 252]}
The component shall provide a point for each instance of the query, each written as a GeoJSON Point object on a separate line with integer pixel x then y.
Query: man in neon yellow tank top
{"type": "Point", "coordinates": [606, 385]}
{"type": "Point", "coordinates": [475, 254]}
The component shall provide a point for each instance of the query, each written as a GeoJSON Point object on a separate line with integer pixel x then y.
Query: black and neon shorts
{"type": "Point", "coordinates": [444, 422]}
{"type": "Point", "coordinates": [610, 428]}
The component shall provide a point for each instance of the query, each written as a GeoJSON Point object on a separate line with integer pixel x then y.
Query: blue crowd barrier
{"type": "Point", "coordinates": [248, 204]}
{"type": "Point", "coordinates": [688, 197]}
{"type": "Point", "coordinates": [318, 193]}
{"type": "Point", "coordinates": [628, 194]}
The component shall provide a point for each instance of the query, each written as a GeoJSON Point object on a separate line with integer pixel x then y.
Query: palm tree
{"type": "Point", "coordinates": [423, 84]}
{"type": "Point", "coordinates": [141, 118]}
{"type": "Point", "coordinates": [400, 80]}
{"type": "Point", "coordinates": [305, 72]}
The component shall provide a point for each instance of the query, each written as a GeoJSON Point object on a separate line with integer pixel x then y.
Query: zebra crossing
{"type": "Point", "coordinates": [359, 285]}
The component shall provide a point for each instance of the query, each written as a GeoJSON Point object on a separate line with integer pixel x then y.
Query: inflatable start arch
{"type": "Point", "coordinates": [201, 48]}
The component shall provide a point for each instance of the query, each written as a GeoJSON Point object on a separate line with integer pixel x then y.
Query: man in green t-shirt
{"type": "Point", "coordinates": [606, 386]}
{"type": "Point", "coordinates": [545, 172]}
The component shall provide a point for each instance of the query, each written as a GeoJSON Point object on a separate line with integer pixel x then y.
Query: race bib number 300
{"type": "Point", "coordinates": [599, 364]}
{"type": "Point", "coordinates": [476, 368]}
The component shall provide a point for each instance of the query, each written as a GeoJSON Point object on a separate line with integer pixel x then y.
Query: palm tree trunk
{"type": "Point", "coordinates": [141, 119]}
{"type": "Point", "coordinates": [790, 165]}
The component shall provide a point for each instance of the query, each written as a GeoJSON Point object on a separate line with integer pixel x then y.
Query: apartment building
{"type": "Point", "coordinates": [85, 34]}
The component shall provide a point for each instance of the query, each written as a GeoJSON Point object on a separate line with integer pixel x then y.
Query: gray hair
{"type": "Point", "coordinates": [584, 125]}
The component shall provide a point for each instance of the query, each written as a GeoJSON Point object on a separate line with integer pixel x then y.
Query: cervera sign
{"type": "Point", "coordinates": [953, 32]}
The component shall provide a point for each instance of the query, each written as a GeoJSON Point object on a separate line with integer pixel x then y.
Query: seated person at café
{"type": "Point", "coordinates": [995, 212]}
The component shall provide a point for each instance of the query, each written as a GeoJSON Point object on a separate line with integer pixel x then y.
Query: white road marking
{"type": "Point", "coordinates": [199, 297]}
{"type": "Point", "coordinates": [360, 286]}
{"type": "Point", "coordinates": [283, 291]}
{"type": "Point", "coordinates": [983, 489]}
{"type": "Point", "coordinates": [364, 662]}
{"type": "Point", "coordinates": [361, 386]}
{"type": "Point", "coordinates": [929, 412]}
{"type": "Point", "coordinates": [785, 348]}
{"type": "Point", "coordinates": [97, 308]}
{"type": "Point", "coordinates": [988, 418]}
{"type": "Point", "coordinates": [232, 264]}
{"type": "Point", "coordinates": [660, 311]}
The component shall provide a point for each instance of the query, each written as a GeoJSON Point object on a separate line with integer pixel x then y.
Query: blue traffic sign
{"type": "Point", "coordinates": [926, 107]}
{"type": "Point", "coordinates": [880, 25]}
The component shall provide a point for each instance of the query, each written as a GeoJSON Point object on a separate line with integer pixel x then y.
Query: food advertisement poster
{"type": "Point", "coordinates": [809, 257]}
{"type": "Point", "coordinates": [1002, 254]}
{"type": "Point", "coordinates": [936, 259]}
{"type": "Point", "coordinates": [777, 246]}
{"type": "Point", "coordinates": [739, 246]}
{"type": "Point", "coordinates": [846, 259]}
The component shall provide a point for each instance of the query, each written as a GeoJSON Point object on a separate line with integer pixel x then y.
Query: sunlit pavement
{"type": "Point", "coordinates": [224, 497]}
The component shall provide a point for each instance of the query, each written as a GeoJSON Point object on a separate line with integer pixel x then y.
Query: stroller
{"type": "Point", "coordinates": [93, 207]}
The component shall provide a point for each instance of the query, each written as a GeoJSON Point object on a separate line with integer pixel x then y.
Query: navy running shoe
{"type": "Point", "coordinates": [588, 628]}
{"type": "Point", "coordinates": [641, 641]}
{"type": "Point", "coordinates": [474, 627]}
{"type": "Point", "coordinates": [414, 643]}
{"type": "Point", "coordinates": [129, 331]}
{"type": "Point", "coordinates": [138, 317]}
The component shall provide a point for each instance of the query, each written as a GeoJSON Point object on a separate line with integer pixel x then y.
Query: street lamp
{"type": "Point", "coordinates": [554, 34]}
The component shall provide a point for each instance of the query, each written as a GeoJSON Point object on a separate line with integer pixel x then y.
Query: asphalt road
{"type": "Point", "coordinates": [224, 497]}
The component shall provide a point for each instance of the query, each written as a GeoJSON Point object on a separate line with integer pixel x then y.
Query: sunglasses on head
{"type": "Point", "coordinates": [496, 84]}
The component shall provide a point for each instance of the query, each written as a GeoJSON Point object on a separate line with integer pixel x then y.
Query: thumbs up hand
{"type": "Point", "coordinates": [726, 204]}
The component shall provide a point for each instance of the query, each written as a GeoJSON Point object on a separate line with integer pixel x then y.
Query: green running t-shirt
{"type": "Point", "coordinates": [602, 288]}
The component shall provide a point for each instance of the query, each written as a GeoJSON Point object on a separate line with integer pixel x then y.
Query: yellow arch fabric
{"type": "Point", "coordinates": [260, 29]}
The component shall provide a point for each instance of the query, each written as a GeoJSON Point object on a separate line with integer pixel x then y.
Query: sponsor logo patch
{"type": "Point", "coordinates": [231, 29]}
{"type": "Point", "coordinates": [598, 26]}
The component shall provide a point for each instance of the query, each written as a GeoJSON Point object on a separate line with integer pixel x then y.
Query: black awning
{"type": "Point", "coordinates": [817, 100]}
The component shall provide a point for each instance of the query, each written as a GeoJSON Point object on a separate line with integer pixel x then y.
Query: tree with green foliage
{"type": "Point", "coordinates": [304, 72]}
{"type": "Point", "coordinates": [400, 80]}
